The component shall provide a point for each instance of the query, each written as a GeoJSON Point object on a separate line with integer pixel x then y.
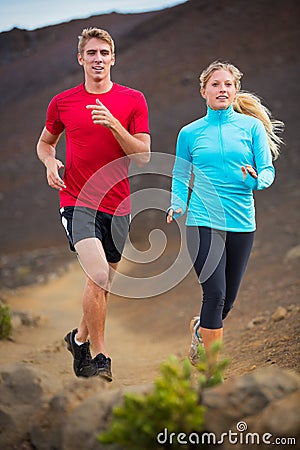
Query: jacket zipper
{"type": "Point", "coordinates": [221, 144]}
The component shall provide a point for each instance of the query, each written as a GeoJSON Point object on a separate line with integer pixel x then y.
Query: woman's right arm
{"type": "Point", "coordinates": [180, 178]}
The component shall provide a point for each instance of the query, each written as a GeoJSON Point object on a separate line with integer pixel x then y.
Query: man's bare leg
{"type": "Point", "coordinates": [99, 275]}
{"type": "Point", "coordinates": [83, 332]}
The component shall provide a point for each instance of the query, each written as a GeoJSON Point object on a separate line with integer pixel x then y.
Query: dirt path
{"type": "Point", "coordinates": [132, 339]}
{"type": "Point", "coordinates": [142, 333]}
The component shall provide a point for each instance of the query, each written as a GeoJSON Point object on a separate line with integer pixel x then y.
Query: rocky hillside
{"type": "Point", "coordinates": [161, 53]}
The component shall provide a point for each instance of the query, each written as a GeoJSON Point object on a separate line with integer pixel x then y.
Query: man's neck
{"type": "Point", "coordinates": [98, 87]}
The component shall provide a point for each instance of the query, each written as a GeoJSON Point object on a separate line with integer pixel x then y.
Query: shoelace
{"type": "Point", "coordinates": [196, 329]}
{"type": "Point", "coordinates": [85, 353]}
{"type": "Point", "coordinates": [102, 361]}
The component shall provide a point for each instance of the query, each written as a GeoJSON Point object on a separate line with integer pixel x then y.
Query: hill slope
{"type": "Point", "coordinates": [161, 53]}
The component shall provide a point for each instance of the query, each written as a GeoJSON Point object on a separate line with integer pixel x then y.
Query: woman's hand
{"type": "Point", "coordinates": [170, 214]}
{"type": "Point", "coordinates": [248, 169]}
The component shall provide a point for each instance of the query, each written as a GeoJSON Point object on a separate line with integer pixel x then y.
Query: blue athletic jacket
{"type": "Point", "coordinates": [211, 151]}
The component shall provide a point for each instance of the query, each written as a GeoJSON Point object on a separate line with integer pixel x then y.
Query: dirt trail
{"type": "Point", "coordinates": [136, 351]}
{"type": "Point", "coordinates": [142, 333]}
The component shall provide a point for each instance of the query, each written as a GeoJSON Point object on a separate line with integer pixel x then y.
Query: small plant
{"type": "Point", "coordinates": [5, 321]}
{"type": "Point", "coordinates": [173, 404]}
{"type": "Point", "coordinates": [210, 368]}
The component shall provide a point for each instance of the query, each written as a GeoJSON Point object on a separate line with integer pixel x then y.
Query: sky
{"type": "Point", "coordinates": [32, 14]}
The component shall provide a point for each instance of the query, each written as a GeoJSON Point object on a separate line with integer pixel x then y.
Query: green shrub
{"type": "Point", "coordinates": [5, 321]}
{"type": "Point", "coordinates": [210, 374]}
{"type": "Point", "coordinates": [173, 404]}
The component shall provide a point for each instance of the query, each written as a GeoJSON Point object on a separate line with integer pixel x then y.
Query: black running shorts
{"type": "Point", "coordinates": [82, 223]}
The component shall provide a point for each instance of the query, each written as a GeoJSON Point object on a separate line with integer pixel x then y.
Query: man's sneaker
{"type": "Point", "coordinates": [83, 364]}
{"type": "Point", "coordinates": [196, 340]}
{"type": "Point", "coordinates": [103, 364]}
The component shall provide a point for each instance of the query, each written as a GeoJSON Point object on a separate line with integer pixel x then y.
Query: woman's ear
{"type": "Point", "coordinates": [203, 93]}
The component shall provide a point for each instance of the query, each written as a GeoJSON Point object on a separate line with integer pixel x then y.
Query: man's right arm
{"type": "Point", "coordinates": [46, 151]}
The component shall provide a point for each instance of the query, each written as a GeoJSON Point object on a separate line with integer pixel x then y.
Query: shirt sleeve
{"type": "Point", "coordinates": [263, 160]}
{"type": "Point", "coordinates": [181, 174]}
{"type": "Point", "coordinates": [53, 123]}
{"type": "Point", "coordinates": [140, 119]}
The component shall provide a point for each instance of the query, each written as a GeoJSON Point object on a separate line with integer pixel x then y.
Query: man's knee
{"type": "Point", "coordinates": [100, 276]}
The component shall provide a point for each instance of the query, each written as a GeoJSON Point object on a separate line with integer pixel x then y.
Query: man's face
{"type": "Point", "coordinates": [96, 60]}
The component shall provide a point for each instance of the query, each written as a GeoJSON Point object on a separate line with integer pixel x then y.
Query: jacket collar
{"type": "Point", "coordinates": [216, 115]}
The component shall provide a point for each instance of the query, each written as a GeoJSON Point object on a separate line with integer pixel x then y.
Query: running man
{"type": "Point", "coordinates": [106, 125]}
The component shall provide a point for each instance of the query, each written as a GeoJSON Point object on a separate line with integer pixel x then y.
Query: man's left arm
{"type": "Point", "coordinates": [135, 146]}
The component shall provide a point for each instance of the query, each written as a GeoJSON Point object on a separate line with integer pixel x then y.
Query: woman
{"type": "Point", "coordinates": [229, 152]}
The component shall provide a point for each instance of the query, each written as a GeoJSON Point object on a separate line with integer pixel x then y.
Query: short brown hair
{"type": "Point", "coordinates": [92, 32]}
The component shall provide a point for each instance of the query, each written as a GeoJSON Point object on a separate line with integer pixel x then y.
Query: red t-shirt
{"type": "Point", "coordinates": [96, 169]}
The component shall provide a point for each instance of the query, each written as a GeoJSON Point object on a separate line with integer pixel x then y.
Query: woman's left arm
{"type": "Point", "coordinates": [262, 176]}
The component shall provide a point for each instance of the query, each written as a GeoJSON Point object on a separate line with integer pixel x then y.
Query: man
{"type": "Point", "coordinates": [106, 126]}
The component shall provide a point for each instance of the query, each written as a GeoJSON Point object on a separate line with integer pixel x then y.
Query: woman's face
{"type": "Point", "coordinates": [220, 90]}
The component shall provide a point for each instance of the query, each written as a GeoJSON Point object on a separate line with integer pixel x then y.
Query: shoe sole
{"type": "Point", "coordinates": [68, 342]}
{"type": "Point", "coordinates": [107, 376]}
{"type": "Point", "coordinates": [193, 360]}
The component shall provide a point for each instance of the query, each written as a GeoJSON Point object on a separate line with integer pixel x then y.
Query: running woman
{"type": "Point", "coordinates": [106, 126]}
{"type": "Point", "coordinates": [229, 151]}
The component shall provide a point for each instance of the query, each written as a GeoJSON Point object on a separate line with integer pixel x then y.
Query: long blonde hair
{"type": "Point", "coordinates": [248, 103]}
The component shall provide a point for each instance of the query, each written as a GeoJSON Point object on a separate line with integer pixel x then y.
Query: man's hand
{"type": "Point", "coordinates": [136, 146]}
{"type": "Point", "coordinates": [53, 165]}
{"type": "Point", "coordinates": [101, 115]}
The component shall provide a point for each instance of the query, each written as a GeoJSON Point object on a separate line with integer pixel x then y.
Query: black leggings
{"type": "Point", "coordinates": [220, 259]}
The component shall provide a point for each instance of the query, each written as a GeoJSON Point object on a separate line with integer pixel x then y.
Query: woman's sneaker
{"type": "Point", "coordinates": [196, 340]}
{"type": "Point", "coordinates": [83, 364]}
{"type": "Point", "coordinates": [103, 364]}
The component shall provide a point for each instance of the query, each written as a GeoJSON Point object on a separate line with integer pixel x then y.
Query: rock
{"type": "Point", "coordinates": [98, 409]}
{"type": "Point", "coordinates": [22, 392]}
{"type": "Point", "coordinates": [243, 397]}
{"type": "Point", "coordinates": [279, 314]}
{"type": "Point", "coordinates": [293, 308]}
{"type": "Point", "coordinates": [256, 321]}
{"type": "Point", "coordinates": [47, 431]}
{"type": "Point", "coordinates": [31, 416]}
{"type": "Point", "coordinates": [281, 419]}
{"type": "Point", "coordinates": [292, 254]}
{"type": "Point", "coordinates": [16, 321]}
{"type": "Point", "coordinates": [28, 319]}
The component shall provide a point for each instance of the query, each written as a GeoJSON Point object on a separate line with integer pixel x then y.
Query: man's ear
{"type": "Point", "coordinates": [113, 60]}
{"type": "Point", "coordinates": [79, 59]}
